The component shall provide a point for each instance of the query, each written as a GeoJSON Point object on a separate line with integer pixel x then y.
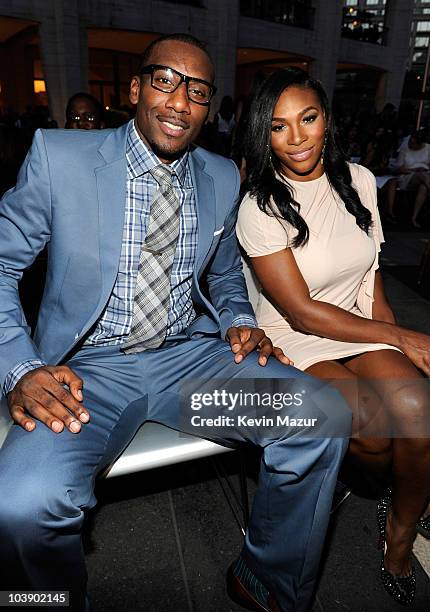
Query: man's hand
{"type": "Point", "coordinates": [244, 339]}
{"type": "Point", "coordinates": [41, 394]}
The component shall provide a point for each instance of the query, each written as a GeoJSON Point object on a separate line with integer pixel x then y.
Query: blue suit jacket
{"type": "Point", "coordinates": [71, 194]}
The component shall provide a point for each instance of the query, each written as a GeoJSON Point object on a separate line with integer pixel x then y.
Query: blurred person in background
{"type": "Point", "coordinates": [84, 112]}
{"type": "Point", "coordinates": [378, 152]}
{"type": "Point", "coordinates": [412, 168]}
{"type": "Point", "coordinates": [224, 124]}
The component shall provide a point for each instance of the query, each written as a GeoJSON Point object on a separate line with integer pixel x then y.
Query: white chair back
{"type": "Point", "coordinates": [5, 420]}
{"type": "Point", "coordinates": [254, 287]}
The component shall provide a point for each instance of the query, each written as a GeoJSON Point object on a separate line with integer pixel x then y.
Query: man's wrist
{"type": "Point", "coordinates": [15, 375]}
{"type": "Point", "coordinates": [245, 320]}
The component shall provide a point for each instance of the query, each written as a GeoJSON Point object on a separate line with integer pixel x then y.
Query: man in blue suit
{"type": "Point", "coordinates": [144, 289]}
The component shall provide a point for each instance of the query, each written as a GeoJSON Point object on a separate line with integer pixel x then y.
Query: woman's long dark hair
{"type": "Point", "coordinates": [262, 165]}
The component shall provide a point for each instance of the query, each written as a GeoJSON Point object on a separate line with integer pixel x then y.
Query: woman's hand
{"type": "Point", "coordinates": [416, 347]}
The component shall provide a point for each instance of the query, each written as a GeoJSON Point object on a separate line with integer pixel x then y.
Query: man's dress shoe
{"type": "Point", "coordinates": [247, 599]}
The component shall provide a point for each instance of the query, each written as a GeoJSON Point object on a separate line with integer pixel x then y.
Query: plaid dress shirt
{"type": "Point", "coordinates": [115, 321]}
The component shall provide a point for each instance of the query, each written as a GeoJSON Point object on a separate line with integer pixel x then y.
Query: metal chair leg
{"type": "Point", "coordinates": [243, 488]}
{"type": "Point", "coordinates": [238, 504]}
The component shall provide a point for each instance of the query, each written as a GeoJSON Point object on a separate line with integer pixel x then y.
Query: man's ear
{"type": "Point", "coordinates": [134, 90]}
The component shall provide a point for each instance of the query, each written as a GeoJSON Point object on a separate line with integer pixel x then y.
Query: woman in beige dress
{"type": "Point", "coordinates": [310, 226]}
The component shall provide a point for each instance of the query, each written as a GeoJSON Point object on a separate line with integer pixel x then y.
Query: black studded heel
{"type": "Point", "coordinates": [423, 527]}
{"type": "Point", "coordinates": [401, 588]}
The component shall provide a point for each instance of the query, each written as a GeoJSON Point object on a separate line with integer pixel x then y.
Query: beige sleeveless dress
{"type": "Point", "coordinates": [338, 263]}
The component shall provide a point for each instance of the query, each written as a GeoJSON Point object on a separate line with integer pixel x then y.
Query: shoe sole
{"type": "Point", "coordinates": [240, 595]}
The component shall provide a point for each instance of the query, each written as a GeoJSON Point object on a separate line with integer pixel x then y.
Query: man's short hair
{"type": "Point", "coordinates": [83, 95]}
{"type": "Point", "coordinates": [180, 37]}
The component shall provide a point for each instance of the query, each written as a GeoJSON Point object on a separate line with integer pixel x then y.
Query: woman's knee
{"type": "Point", "coordinates": [370, 417]}
{"type": "Point", "coordinates": [408, 407]}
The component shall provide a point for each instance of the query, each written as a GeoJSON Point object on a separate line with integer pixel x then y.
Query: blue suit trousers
{"type": "Point", "coordinates": [47, 479]}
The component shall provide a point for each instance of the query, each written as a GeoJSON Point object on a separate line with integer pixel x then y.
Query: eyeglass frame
{"type": "Point", "coordinates": [184, 79]}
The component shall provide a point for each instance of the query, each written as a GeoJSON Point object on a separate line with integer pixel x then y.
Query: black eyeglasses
{"type": "Point", "coordinates": [167, 79]}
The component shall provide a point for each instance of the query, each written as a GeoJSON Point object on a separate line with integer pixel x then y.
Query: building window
{"type": "Point", "coordinates": [298, 13]}
{"type": "Point", "coordinates": [420, 32]}
{"type": "Point", "coordinates": [363, 3]}
{"type": "Point", "coordinates": [363, 23]}
{"type": "Point", "coordinates": [109, 75]}
{"type": "Point", "coordinates": [423, 26]}
{"type": "Point", "coordinates": [39, 86]}
{"type": "Point", "coordinates": [421, 41]}
{"type": "Point", "coordinates": [419, 57]}
{"type": "Point", "coordinates": [197, 3]}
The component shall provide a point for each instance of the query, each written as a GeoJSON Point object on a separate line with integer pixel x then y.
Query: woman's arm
{"type": "Point", "coordinates": [381, 309]}
{"type": "Point", "coordinates": [283, 282]}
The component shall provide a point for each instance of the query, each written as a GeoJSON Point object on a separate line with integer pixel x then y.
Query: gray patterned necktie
{"type": "Point", "coordinates": [152, 293]}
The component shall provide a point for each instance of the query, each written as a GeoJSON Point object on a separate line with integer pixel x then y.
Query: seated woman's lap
{"type": "Point", "coordinates": [395, 392]}
{"type": "Point", "coordinates": [404, 391]}
{"type": "Point", "coordinates": [369, 416]}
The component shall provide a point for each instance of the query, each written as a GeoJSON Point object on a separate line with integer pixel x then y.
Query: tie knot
{"type": "Point", "coordinates": [162, 174]}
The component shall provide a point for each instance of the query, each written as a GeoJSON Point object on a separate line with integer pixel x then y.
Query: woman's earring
{"type": "Point", "coordinates": [323, 149]}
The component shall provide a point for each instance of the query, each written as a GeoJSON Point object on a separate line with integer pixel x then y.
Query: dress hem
{"type": "Point", "coordinates": [340, 354]}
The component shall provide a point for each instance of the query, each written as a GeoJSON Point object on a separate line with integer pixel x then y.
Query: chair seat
{"type": "Point", "coordinates": [155, 445]}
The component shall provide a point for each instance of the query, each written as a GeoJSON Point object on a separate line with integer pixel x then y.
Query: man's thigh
{"type": "Point", "coordinates": [196, 367]}
{"type": "Point", "coordinates": [115, 398]}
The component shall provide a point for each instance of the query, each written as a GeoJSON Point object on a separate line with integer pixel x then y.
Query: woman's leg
{"type": "Point", "coordinates": [391, 188]}
{"type": "Point", "coordinates": [422, 181]}
{"type": "Point", "coordinates": [367, 448]}
{"type": "Point", "coordinates": [406, 397]}
{"type": "Point", "coordinates": [420, 198]}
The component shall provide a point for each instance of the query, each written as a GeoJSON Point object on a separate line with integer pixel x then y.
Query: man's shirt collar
{"type": "Point", "coordinates": [141, 159]}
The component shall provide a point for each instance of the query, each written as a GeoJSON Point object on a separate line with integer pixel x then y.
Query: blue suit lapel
{"type": "Point", "coordinates": [111, 192]}
{"type": "Point", "coordinates": [205, 204]}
